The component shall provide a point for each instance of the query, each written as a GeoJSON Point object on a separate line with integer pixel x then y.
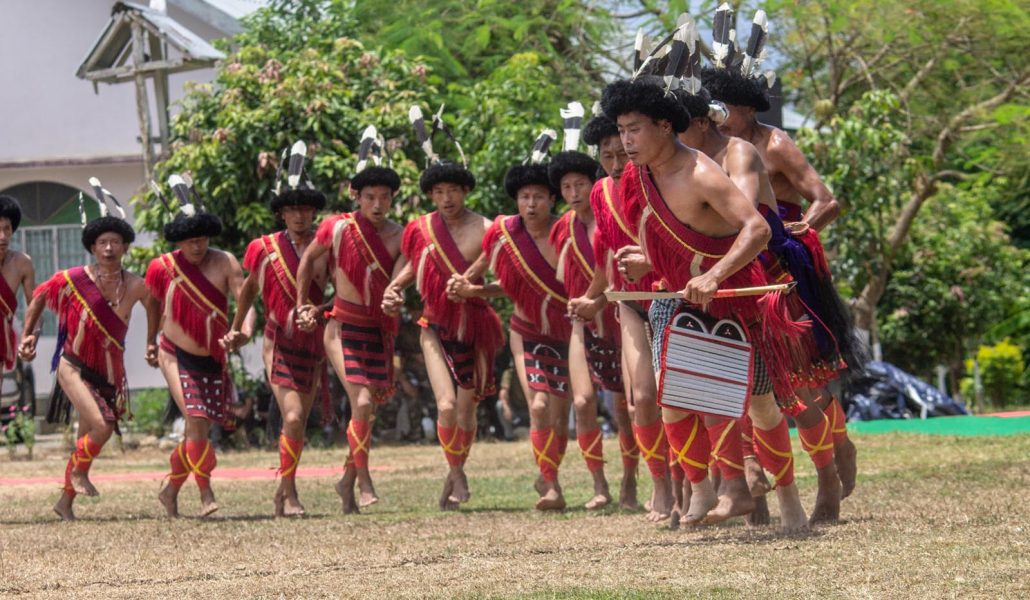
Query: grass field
{"type": "Point", "coordinates": [933, 517]}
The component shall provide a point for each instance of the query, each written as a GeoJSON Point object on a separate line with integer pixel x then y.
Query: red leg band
{"type": "Point", "coordinates": [838, 420]}
{"type": "Point", "coordinates": [180, 468]}
{"type": "Point", "coordinates": [818, 442]}
{"type": "Point", "coordinates": [451, 442]}
{"type": "Point", "coordinates": [467, 439]}
{"type": "Point", "coordinates": [630, 451]}
{"type": "Point", "coordinates": [591, 445]}
{"type": "Point", "coordinates": [653, 447]}
{"type": "Point", "coordinates": [359, 438]}
{"type": "Point", "coordinates": [724, 436]}
{"type": "Point", "coordinates": [688, 443]}
{"type": "Point", "coordinates": [200, 457]}
{"type": "Point", "coordinates": [774, 452]}
{"type": "Point", "coordinates": [289, 456]}
{"type": "Point", "coordinates": [545, 452]}
{"type": "Point", "coordinates": [68, 489]}
{"type": "Point", "coordinates": [85, 450]}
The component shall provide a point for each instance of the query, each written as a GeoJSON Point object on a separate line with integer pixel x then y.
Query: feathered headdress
{"type": "Point", "coordinates": [735, 78]}
{"type": "Point", "coordinates": [532, 170]}
{"type": "Point", "coordinates": [191, 220]}
{"type": "Point", "coordinates": [438, 170]}
{"type": "Point", "coordinates": [572, 125]}
{"type": "Point", "coordinates": [91, 230]}
{"type": "Point", "coordinates": [299, 190]}
{"type": "Point", "coordinates": [370, 149]}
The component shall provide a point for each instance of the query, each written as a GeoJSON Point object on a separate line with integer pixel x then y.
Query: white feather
{"type": "Point", "coordinates": [301, 148]}
{"type": "Point", "coordinates": [571, 140]}
{"type": "Point", "coordinates": [414, 113]}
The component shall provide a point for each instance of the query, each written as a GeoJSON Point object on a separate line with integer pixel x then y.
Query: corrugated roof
{"type": "Point", "coordinates": [110, 50]}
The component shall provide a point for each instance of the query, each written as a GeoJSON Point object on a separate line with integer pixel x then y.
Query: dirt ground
{"type": "Point", "coordinates": [933, 517]}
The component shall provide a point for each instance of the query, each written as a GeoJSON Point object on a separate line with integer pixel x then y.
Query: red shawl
{"type": "Point", "coordinates": [615, 230]}
{"type": "Point", "coordinates": [197, 305]}
{"type": "Point", "coordinates": [363, 258]}
{"type": "Point", "coordinates": [576, 262]}
{"type": "Point", "coordinates": [89, 329]}
{"type": "Point", "coordinates": [679, 253]}
{"type": "Point", "coordinates": [276, 260]}
{"type": "Point", "coordinates": [526, 276]}
{"type": "Point", "coordinates": [428, 244]}
{"type": "Point", "coordinates": [8, 342]}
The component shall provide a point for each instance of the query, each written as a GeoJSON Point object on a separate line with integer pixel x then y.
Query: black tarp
{"type": "Point", "coordinates": [884, 391]}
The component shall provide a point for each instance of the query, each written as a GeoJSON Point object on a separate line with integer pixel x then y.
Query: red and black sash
{"type": "Point", "coordinates": [8, 306]}
{"type": "Point", "coordinates": [197, 305]}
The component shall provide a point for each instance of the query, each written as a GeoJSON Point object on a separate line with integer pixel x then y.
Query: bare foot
{"type": "Point", "coordinates": [827, 498]}
{"type": "Point", "coordinates": [460, 493]}
{"type": "Point", "coordinates": [792, 514]}
{"type": "Point", "coordinates": [448, 490]}
{"type": "Point", "coordinates": [702, 500]}
{"type": "Point", "coordinates": [845, 455]}
{"type": "Point", "coordinates": [628, 492]}
{"type": "Point", "coordinates": [661, 502]}
{"type": "Point", "coordinates": [82, 485]}
{"type": "Point", "coordinates": [367, 491]}
{"type": "Point", "coordinates": [759, 516]}
{"type": "Point", "coordinates": [757, 482]}
{"type": "Point", "coordinates": [208, 506]}
{"type": "Point", "coordinates": [687, 495]}
{"type": "Point", "coordinates": [63, 508]}
{"type": "Point", "coordinates": [552, 499]}
{"type": "Point", "coordinates": [602, 497]}
{"type": "Point", "coordinates": [291, 504]}
{"type": "Point", "coordinates": [169, 498]}
{"type": "Point", "coordinates": [735, 501]}
{"type": "Point", "coordinates": [345, 490]}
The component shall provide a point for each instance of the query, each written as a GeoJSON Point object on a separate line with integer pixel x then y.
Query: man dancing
{"type": "Point", "coordinates": [613, 234]}
{"type": "Point", "coordinates": [594, 352]}
{"type": "Point", "coordinates": [363, 246]}
{"type": "Point", "coordinates": [675, 185]}
{"type": "Point", "coordinates": [736, 82]}
{"type": "Point", "coordinates": [294, 359]}
{"type": "Point", "coordinates": [191, 284]}
{"type": "Point", "coordinates": [93, 304]}
{"type": "Point", "coordinates": [459, 339]}
{"type": "Point", "coordinates": [17, 271]}
{"type": "Point", "coordinates": [516, 248]}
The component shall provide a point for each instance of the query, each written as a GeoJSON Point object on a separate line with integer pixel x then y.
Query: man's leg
{"type": "Point", "coordinates": [772, 445]}
{"type": "Point", "coordinates": [647, 423]}
{"type": "Point", "coordinates": [466, 425]}
{"type": "Point", "coordinates": [627, 447]}
{"type": "Point", "coordinates": [588, 432]}
{"type": "Point", "coordinates": [689, 443]}
{"type": "Point", "coordinates": [94, 432]}
{"type": "Point", "coordinates": [734, 497]}
{"type": "Point", "coordinates": [201, 460]}
{"type": "Point", "coordinates": [542, 434]}
{"type": "Point", "coordinates": [334, 351]}
{"type": "Point", "coordinates": [180, 470]}
{"type": "Point", "coordinates": [295, 408]}
{"type": "Point", "coordinates": [816, 435]}
{"type": "Point", "coordinates": [451, 439]}
{"type": "Point", "coordinates": [844, 452]}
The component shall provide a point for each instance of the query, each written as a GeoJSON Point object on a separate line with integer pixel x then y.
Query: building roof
{"type": "Point", "coordinates": [109, 60]}
{"type": "Point", "coordinates": [222, 14]}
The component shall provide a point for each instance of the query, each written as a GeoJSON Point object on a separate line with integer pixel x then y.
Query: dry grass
{"type": "Point", "coordinates": [933, 517]}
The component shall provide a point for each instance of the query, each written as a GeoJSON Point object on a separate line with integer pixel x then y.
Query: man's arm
{"type": "Point", "coordinates": [823, 208]}
{"type": "Point", "coordinates": [28, 280]}
{"type": "Point", "coordinates": [27, 348]}
{"type": "Point", "coordinates": [460, 287]}
{"type": "Point", "coordinates": [593, 300]}
{"type": "Point", "coordinates": [393, 296]}
{"type": "Point", "coordinates": [753, 232]}
{"type": "Point", "coordinates": [153, 307]}
{"type": "Point", "coordinates": [248, 292]}
{"type": "Point", "coordinates": [306, 271]}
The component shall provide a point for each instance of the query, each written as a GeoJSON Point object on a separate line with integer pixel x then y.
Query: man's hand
{"type": "Point", "coordinates": [151, 354]}
{"type": "Point", "coordinates": [633, 265]}
{"type": "Point", "coordinates": [393, 300]}
{"type": "Point", "coordinates": [700, 290]}
{"type": "Point", "coordinates": [585, 309]}
{"type": "Point", "coordinates": [797, 228]}
{"type": "Point", "coordinates": [27, 348]}
{"type": "Point", "coordinates": [233, 340]}
{"type": "Point", "coordinates": [459, 288]}
{"type": "Point", "coordinates": [307, 317]}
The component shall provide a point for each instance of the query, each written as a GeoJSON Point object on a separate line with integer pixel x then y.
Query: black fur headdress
{"type": "Point", "coordinates": [299, 190]}
{"type": "Point", "coordinates": [439, 170]}
{"type": "Point", "coordinates": [11, 210]}
{"type": "Point", "coordinates": [533, 171]}
{"type": "Point", "coordinates": [106, 222]}
{"type": "Point", "coordinates": [191, 220]}
{"type": "Point", "coordinates": [371, 148]}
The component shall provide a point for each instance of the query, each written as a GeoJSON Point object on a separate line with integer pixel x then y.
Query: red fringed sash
{"type": "Point", "coordinates": [8, 343]}
{"type": "Point", "coordinates": [526, 276]}
{"type": "Point", "coordinates": [428, 244]}
{"type": "Point", "coordinates": [363, 258]}
{"type": "Point", "coordinates": [197, 305]}
{"type": "Point", "coordinates": [679, 253]}
{"type": "Point", "coordinates": [94, 333]}
{"type": "Point", "coordinates": [576, 261]}
{"type": "Point", "coordinates": [615, 230]}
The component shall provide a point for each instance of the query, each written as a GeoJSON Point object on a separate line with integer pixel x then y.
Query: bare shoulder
{"type": "Point", "coordinates": [780, 145]}
{"type": "Point", "coordinates": [20, 260]}
{"type": "Point", "coordinates": [481, 221]}
{"type": "Point", "coordinates": [133, 282]}
{"type": "Point", "coordinates": [223, 258]}
{"type": "Point", "coordinates": [393, 228]}
{"type": "Point", "coordinates": [742, 153]}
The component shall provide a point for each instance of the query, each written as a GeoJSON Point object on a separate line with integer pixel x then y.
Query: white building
{"type": "Point", "coordinates": [57, 132]}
